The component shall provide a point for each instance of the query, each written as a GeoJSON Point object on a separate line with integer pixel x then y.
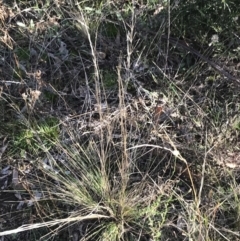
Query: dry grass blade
{"type": "Point", "coordinates": [28, 227]}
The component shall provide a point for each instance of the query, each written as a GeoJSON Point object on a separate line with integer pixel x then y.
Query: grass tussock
{"type": "Point", "coordinates": [119, 120]}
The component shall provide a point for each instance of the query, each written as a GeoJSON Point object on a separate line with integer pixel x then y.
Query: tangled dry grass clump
{"type": "Point", "coordinates": [118, 122]}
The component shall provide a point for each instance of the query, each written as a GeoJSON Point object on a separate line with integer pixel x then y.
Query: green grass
{"type": "Point", "coordinates": [36, 137]}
